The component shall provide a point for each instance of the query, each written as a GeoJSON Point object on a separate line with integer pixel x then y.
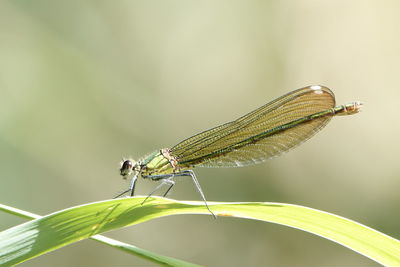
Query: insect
{"type": "Point", "coordinates": [255, 137]}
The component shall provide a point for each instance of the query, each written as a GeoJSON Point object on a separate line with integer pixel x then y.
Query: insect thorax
{"type": "Point", "coordinates": [159, 162]}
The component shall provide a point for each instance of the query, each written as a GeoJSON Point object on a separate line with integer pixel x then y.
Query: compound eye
{"type": "Point", "coordinates": [126, 168]}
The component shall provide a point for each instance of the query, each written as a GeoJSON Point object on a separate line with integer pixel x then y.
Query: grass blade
{"type": "Point", "coordinates": [56, 230]}
{"type": "Point", "coordinates": [131, 249]}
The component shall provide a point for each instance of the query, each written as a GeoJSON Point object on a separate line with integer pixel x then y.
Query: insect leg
{"type": "Point", "coordinates": [130, 189]}
{"type": "Point", "coordinates": [167, 179]}
{"type": "Point", "coordinates": [163, 182]}
{"type": "Point", "coordinates": [132, 186]}
{"type": "Point", "coordinates": [198, 187]}
{"type": "Point", "coordinates": [123, 193]}
{"type": "Point", "coordinates": [172, 183]}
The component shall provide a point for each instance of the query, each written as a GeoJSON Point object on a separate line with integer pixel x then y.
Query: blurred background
{"type": "Point", "coordinates": [85, 83]}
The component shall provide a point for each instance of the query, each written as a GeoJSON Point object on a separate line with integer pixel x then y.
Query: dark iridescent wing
{"type": "Point", "coordinates": [261, 134]}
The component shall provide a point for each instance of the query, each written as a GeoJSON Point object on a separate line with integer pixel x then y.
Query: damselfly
{"type": "Point", "coordinates": [259, 135]}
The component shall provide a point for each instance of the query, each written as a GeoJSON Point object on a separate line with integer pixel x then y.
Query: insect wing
{"type": "Point", "coordinates": [258, 135]}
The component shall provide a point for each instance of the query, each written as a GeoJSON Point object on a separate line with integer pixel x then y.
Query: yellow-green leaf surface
{"type": "Point", "coordinates": [127, 248]}
{"type": "Point", "coordinates": [39, 236]}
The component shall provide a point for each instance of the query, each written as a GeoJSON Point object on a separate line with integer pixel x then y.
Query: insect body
{"type": "Point", "coordinates": [259, 135]}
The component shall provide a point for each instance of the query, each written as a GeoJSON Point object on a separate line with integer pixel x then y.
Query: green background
{"type": "Point", "coordinates": [84, 83]}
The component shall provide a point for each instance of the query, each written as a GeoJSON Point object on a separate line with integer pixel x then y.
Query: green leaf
{"type": "Point", "coordinates": [148, 255]}
{"type": "Point", "coordinates": [156, 258]}
{"type": "Point", "coordinates": [56, 230]}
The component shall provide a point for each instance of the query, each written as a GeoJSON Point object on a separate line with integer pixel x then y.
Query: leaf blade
{"type": "Point", "coordinates": [74, 224]}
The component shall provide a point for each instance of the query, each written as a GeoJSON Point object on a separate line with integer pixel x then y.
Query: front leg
{"type": "Point", "coordinates": [130, 189]}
